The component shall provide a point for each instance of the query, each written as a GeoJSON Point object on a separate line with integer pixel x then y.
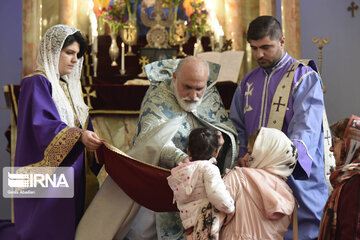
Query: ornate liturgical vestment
{"type": "Point", "coordinates": [160, 139]}
{"type": "Point", "coordinates": [256, 103]}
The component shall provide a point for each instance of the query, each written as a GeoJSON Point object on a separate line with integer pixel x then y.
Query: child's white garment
{"type": "Point", "coordinates": [196, 183]}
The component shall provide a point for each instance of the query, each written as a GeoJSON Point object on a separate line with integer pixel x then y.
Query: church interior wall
{"type": "Point", "coordinates": [321, 19]}
{"type": "Point", "coordinates": [331, 19]}
{"type": "Point", "coordinates": [11, 72]}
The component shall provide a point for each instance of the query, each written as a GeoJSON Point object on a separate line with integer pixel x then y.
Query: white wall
{"type": "Point", "coordinates": [10, 69]}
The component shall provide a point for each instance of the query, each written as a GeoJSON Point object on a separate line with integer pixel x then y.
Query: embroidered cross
{"type": "Point", "coordinates": [353, 7]}
{"type": "Point", "coordinates": [279, 104]}
{"type": "Point", "coordinates": [290, 70]}
{"type": "Point", "coordinates": [327, 136]}
{"type": "Point", "coordinates": [248, 93]}
{"type": "Point", "coordinates": [88, 95]}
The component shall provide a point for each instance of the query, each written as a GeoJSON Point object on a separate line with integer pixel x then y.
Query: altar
{"type": "Point", "coordinates": [113, 81]}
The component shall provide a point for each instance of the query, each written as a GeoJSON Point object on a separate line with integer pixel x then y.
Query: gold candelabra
{"type": "Point", "coordinates": [321, 41]}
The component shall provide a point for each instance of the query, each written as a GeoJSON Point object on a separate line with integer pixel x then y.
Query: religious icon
{"type": "Point", "coordinates": [179, 35]}
{"type": "Point", "coordinates": [157, 36]}
{"type": "Point", "coordinates": [129, 33]}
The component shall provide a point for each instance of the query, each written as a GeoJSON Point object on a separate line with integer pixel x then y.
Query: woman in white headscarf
{"type": "Point", "coordinates": [53, 131]}
{"type": "Point", "coordinates": [263, 201]}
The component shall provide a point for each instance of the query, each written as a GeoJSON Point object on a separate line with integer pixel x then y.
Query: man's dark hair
{"type": "Point", "coordinates": [264, 26]}
{"type": "Point", "coordinates": [76, 37]}
{"type": "Point", "coordinates": [203, 143]}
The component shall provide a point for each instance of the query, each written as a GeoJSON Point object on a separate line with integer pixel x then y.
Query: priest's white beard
{"type": "Point", "coordinates": [188, 107]}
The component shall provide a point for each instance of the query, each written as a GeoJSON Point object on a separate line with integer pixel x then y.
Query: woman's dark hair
{"type": "Point", "coordinates": [338, 128]}
{"type": "Point", "coordinates": [203, 143]}
{"type": "Point", "coordinates": [76, 37]}
{"type": "Point", "coordinates": [264, 26]}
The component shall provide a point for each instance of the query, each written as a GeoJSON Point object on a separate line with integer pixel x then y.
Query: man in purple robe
{"type": "Point", "coordinates": [53, 131]}
{"type": "Point", "coordinates": [295, 107]}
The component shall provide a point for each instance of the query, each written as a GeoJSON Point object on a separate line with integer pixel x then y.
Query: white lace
{"type": "Point", "coordinates": [48, 62]}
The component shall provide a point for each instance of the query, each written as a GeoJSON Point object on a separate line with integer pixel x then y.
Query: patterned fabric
{"type": "Point", "coordinates": [64, 86]}
{"type": "Point", "coordinates": [197, 182]}
{"type": "Point", "coordinates": [58, 149]}
{"type": "Point", "coordinates": [207, 225]}
{"type": "Point", "coordinates": [274, 152]}
{"type": "Point", "coordinates": [159, 106]}
{"type": "Point", "coordinates": [340, 176]}
{"type": "Point", "coordinates": [48, 62]}
{"type": "Point", "coordinates": [250, 110]}
{"type": "Point", "coordinates": [45, 140]}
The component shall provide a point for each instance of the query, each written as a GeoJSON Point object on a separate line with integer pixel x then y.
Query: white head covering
{"type": "Point", "coordinates": [48, 62]}
{"type": "Point", "coordinates": [274, 152]}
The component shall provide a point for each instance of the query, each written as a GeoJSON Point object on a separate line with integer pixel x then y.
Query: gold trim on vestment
{"type": "Point", "coordinates": [58, 149]}
{"type": "Point", "coordinates": [65, 88]}
{"type": "Point", "coordinates": [36, 73]}
{"type": "Point", "coordinates": [118, 151]}
{"type": "Point", "coordinates": [280, 99]}
{"type": "Point", "coordinates": [129, 112]}
{"type": "Point", "coordinates": [14, 101]}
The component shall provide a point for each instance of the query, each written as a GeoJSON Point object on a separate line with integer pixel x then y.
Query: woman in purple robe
{"type": "Point", "coordinates": [54, 130]}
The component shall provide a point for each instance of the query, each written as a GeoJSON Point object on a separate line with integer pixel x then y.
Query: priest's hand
{"type": "Point", "coordinates": [90, 140]}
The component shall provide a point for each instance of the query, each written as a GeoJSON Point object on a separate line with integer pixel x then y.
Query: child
{"type": "Point", "coordinates": [198, 187]}
{"type": "Point", "coordinates": [263, 200]}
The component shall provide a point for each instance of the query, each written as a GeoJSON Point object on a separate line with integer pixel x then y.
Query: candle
{"type": "Point", "coordinates": [221, 41]}
{"type": "Point", "coordinates": [195, 49]}
{"type": "Point", "coordinates": [95, 45]}
{"type": "Point", "coordinates": [122, 70]}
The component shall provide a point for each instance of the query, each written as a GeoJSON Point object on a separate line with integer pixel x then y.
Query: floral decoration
{"type": "Point", "coordinates": [116, 16]}
{"type": "Point", "coordinates": [198, 19]}
{"type": "Point", "coordinates": [131, 14]}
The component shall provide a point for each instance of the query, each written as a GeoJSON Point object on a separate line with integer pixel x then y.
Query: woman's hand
{"type": "Point", "coordinates": [229, 217]}
{"type": "Point", "coordinates": [91, 140]}
{"type": "Point", "coordinates": [240, 162]}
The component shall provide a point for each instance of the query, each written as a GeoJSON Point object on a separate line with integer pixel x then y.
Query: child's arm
{"type": "Point", "coordinates": [216, 190]}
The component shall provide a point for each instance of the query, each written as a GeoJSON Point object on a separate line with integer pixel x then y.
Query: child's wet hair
{"type": "Point", "coordinates": [203, 143]}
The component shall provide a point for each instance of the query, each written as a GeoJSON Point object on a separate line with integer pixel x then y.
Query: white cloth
{"type": "Point", "coordinates": [274, 152]}
{"type": "Point", "coordinates": [112, 211]}
{"type": "Point", "coordinates": [196, 183]}
{"type": "Point", "coordinates": [48, 62]}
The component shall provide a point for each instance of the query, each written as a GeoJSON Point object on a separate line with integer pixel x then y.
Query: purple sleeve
{"type": "Point", "coordinates": [237, 117]}
{"type": "Point", "coordinates": [38, 120]}
{"type": "Point", "coordinates": [305, 127]}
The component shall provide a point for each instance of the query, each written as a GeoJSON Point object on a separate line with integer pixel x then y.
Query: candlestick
{"type": "Point", "coordinates": [122, 70]}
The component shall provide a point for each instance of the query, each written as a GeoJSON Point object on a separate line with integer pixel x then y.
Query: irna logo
{"type": "Point", "coordinates": [18, 180]}
{"type": "Point", "coordinates": [38, 182]}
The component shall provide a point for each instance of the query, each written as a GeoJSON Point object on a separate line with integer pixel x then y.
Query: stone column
{"type": "Point", "coordinates": [290, 12]}
{"type": "Point", "coordinates": [250, 10]}
{"type": "Point", "coordinates": [267, 7]}
{"type": "Point", "coordinates": [31, 34]}
{"type": "Point", "coordinates": [233, 23]}
{"type": "Point", "coordinates": [68, 12]}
